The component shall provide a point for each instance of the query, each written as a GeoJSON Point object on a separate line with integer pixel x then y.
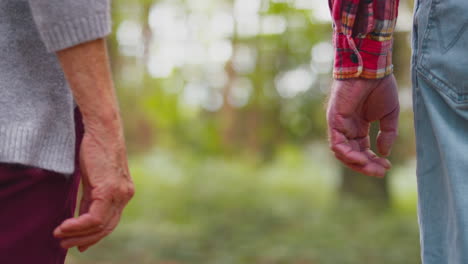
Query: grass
{"type": "Point", "coordinates": [238, 211]}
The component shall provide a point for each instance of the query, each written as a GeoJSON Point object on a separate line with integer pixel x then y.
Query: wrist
{"type": "Point", "coordinates": [103, 122]}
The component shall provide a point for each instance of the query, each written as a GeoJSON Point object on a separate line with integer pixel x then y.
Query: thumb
{"type": "Point", "coordinates": [388, 132]}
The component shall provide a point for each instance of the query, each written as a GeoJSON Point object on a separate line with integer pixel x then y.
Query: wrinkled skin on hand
{"type": "Point", "coordinates": [107, 188]}
{"type": "Point", "coordinates": [353, 105]}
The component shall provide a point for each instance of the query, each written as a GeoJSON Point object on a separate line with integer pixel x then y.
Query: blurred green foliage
{"type": "Point", "coordinates": [215, 211]}
{"type": "Point", "coordinates": [223, 103]}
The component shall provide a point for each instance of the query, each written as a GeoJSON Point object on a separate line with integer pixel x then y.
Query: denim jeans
{"type": "Point", "coordinates": [440, 96]}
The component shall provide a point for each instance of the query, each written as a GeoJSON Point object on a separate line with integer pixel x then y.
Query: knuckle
{"type": "Point", "coordinates": [126, 191]}
{"type": "Point", "coordinates": [129, 193]}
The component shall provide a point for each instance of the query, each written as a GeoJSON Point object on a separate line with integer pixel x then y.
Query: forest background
{"type": "Point", "coordinates": [223, 104]}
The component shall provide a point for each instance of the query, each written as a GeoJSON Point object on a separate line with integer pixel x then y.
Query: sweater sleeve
{"type": "Point", "coordinates": [66, 23]}
{"type": "Point", "coordinates": [363, 37]}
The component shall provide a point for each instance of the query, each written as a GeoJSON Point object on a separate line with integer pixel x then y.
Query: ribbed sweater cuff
{"type": "Point", "coordinates": [37, 148]}
{"type": "Point", "coordinates": [77, 31]}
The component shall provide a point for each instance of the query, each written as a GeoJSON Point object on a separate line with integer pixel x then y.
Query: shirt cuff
{"type": "Point", "coordinates": [362, 58]}
{"type": "Point", "coordinates": [77, 31]}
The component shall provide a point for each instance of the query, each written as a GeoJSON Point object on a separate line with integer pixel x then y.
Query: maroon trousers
{"type": "Point", "coordinates": [33, 202]}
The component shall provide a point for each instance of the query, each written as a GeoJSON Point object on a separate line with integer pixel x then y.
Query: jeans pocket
{"type": "Point", "coordinates": [444, 48]}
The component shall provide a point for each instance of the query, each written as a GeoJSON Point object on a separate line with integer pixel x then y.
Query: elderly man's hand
{"type": "Point", "coordinates": [353, 105]}
{"type": "Point", "coordinates": [107, 188]}
{"type": "Point", "coordinates": [107, 185]}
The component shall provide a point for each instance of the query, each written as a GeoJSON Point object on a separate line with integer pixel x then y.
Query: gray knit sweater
{"type": "Point", "coordinates": [36, 104]}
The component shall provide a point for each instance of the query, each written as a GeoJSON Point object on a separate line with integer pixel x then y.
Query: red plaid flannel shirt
{"type": "Point", "coordinates": [363, 37]}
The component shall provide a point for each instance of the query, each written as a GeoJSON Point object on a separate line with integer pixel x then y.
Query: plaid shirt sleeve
{"type": "Point", "coordinates": [363, 37]}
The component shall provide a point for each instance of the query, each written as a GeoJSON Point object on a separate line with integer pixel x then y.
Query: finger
{"type": "Point", "coordinates": [98, 216]}
{"type": "Point", "coordinates": [83, 240]}
{"type": "Point", "coordinates": [88, 240]}
{"type": "Point", "coordinates": [388, 132]}
{"type": "Point", "coordinates": [85, 221]}
{"type": "Point", "coordinates": [341, 146]}
{"type": "Point", "coordinates": [364, 145]}
{"type": "Point", "coordinates": [84, 224]}
{"type": "Point", "coordinates": [59, 233]}
{"type": "Point", "coordinates": [381, 161]}
{"type": "Point", "coordinates": [369, 169]}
